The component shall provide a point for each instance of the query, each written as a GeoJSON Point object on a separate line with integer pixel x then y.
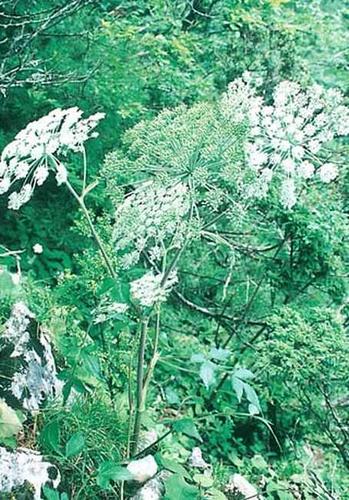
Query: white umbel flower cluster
{"type": "Point", "coordinates": [146, 217]}
{"type": "Point", "coordinates": [35, 151]}
{"type": "Point", "coordinates": [240, 101]}
{"type": "Point", "coordinates": [149, 289]}
{"type": "Point", "coordinates": [328, 172]}
{"type": "Point", "coordinates": [22, 466]}
{"type": "Point", "coordinates": [287, 137]}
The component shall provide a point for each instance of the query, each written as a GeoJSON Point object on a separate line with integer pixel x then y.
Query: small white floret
{"type": "Point", "coordinates": [37, 248]}
{"type": "Point", "coordinates": [328, 172]}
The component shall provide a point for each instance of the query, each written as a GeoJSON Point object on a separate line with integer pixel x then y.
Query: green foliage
{"type": "Point", "coordinates": [10, 423]}
{"type": "Point", "coordinates": [83, 438]}
{"type": "Point", "coordinates": [307, 362]}
{"type": "Point", "coordinates": [176, 487]}
{"type": "Point", "coordinates": [109, 471]}
{"type": "Point", "coordinates": [248, 356]}
{"type": "Point", "coordinates": [146, 56]}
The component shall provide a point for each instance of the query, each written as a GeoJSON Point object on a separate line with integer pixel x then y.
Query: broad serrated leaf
{"type": "Point", "coordinates": [106, 285]}
{"type": "Point", "coordinates": [243, 374]}
{"type": "Point", "coordinates": [238, 386]}
{"type": "Point", "coordinates": [252, 409]}
{"type": "Point", "coordinates": [259, 463]}
{"type": "Point", "coordinates": [203, 480]}
{"type": "Point", "coordinates": [214, 494]}
{"type": "Point", "coordinates": [172, 396]}
{"type": "Point", "coordinates": [50, 436]}
{"type": "Point", "coordinates": [120, 292]}
{"type": "Point", "coordinates": [6, 284]}
{"type": "Point", "coordinates": [172, 466]}
{"type": "Point", "coordinates": [91, 364]}
{"type": "Point", "coordinates": [251, 396]}
{"type": "Point", "coordinates": [51, 494]}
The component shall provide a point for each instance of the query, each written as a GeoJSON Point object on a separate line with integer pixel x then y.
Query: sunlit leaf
{"type": "Point", "coordinates": [207, 373]}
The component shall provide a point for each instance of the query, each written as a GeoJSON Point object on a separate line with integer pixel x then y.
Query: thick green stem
{"type": "Point", "coordinates": [140, 396]}
{"type": "Point", "coordinates": [155, 355]}
{"type": "Point", "coordinates": [130, 407]}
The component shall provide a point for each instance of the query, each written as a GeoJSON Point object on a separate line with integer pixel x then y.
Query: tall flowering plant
{"type": "Point", "coordinates": [186, 176]}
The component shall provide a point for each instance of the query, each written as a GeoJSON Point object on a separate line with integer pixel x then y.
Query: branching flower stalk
{"type": "Point", "coordinates": [81, 202]}
{"type": "Point", "coordinates": [35, 152]}
{"type": "Point", "coordinates": [130, 404]}
{"type": "Point", "coordinates": [143, 381]}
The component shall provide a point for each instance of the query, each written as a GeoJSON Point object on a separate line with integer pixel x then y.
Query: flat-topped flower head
{"type": "Point", "coordinates": [151, 289]}
{"type": "Point", "coordinates": [287, 137]}
{"type": "Point", "coordinates": [147, 217]}
{"type": "Point", "coordinates": [37, 149]}
{"type": "Point", "coordinates": [328, 172]}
